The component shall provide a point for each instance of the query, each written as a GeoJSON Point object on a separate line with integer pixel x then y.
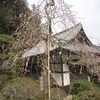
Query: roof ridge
{"type": "Point", "coordinates": [69, 29]}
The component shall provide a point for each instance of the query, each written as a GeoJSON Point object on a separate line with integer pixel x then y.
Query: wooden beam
{"type": "Point", "coordinates": [60, 72]}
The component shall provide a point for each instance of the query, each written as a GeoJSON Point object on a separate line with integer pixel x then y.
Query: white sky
{"type": "Point", "coordinates": [88, 13]}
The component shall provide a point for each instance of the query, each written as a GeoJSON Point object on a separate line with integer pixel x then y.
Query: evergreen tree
{"type": "Point", "coordinates": [11, 12]}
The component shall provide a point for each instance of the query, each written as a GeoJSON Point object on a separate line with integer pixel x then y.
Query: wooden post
{"type": "Point", "coordinates": [61, 61]}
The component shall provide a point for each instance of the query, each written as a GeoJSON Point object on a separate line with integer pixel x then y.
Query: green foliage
{"type": "Point", "coordinates": [88, 95]}
{"type": "Point", "coordinates": [82, 85]}
{"type": "Point", "coordinates": [57, 94]}
{"type": "Point", "coordinates": [3, 55]}
{"type": "Point", "coordinates": [5, 44]}
{"type": "Point", "coordinates": [3, 80]}
{"type": "Point", "coordinates": [10, 12]}
{"type": "Point", "coordinates": [21, 89]}
{"type": "Point", "coordinates": [16, 68]}
{"type": "Point", "coordinates": [5, 38]}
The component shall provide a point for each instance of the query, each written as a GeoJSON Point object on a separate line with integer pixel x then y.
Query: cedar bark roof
{"type": "Point", "coordinates": [62, 40]}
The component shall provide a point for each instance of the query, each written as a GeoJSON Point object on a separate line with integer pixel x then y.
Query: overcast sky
{"type": "Point", "coordinates": [88, 13]}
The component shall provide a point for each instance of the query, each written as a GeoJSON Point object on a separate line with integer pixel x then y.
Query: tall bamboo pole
{"type": "Point", "coordinates": [49, 3]}
{"type": "Point", "coordinates": [48, 43]}
{"type": "Point", "coordinates": [48, 51]}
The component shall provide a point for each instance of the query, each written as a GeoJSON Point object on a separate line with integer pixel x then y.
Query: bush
{"type": "Point", "coordinates": [17, 69]}
{"type": "Point", "coordinates": [21, 89]}
{"type": "Point", "coordinates": [88, 95]}
{"type": "Point", "coordinates": [5, 38]}
{"type": "Point", "coordinates": [57, 94]}
{"type": "Point", "coordinates": [82, 85]}
{"type": "Point", "coordinates": [3, 80]}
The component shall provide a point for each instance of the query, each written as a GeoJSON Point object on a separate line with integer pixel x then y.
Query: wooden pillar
{"type": "Point", "coordinates": [61, 61]}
